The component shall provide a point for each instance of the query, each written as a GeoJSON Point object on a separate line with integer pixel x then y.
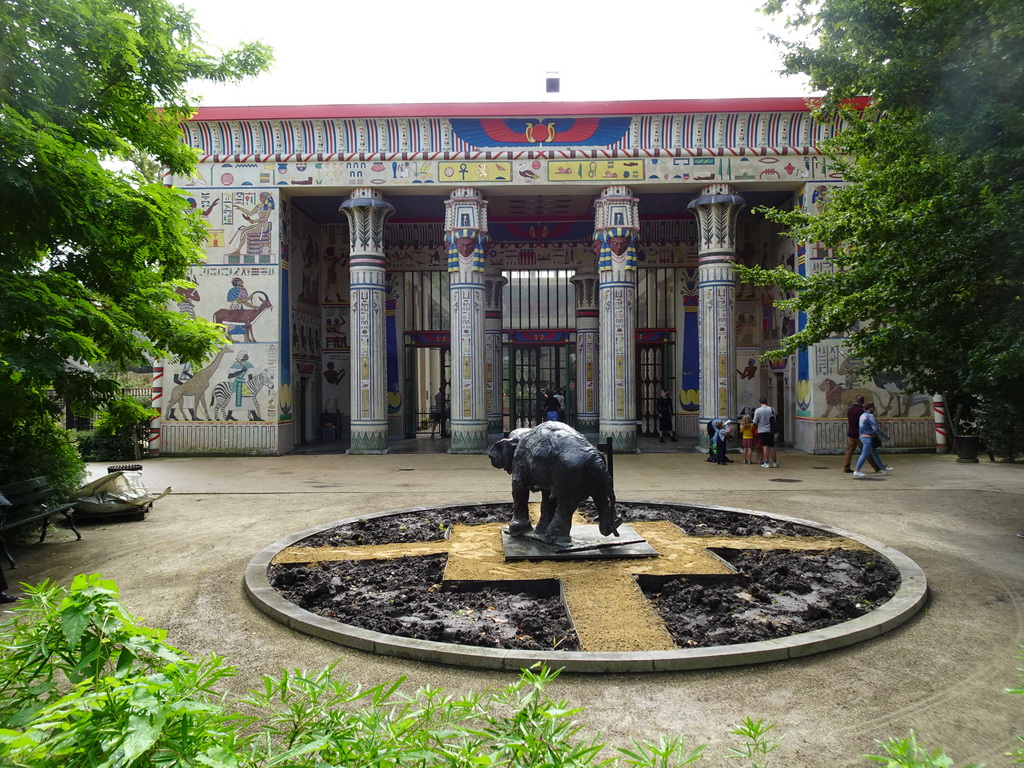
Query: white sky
{"type": "Point", "coordinates": [400, 51]}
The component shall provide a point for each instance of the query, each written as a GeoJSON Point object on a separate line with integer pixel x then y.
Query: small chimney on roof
{"type": "Point", "coordinates": [552, 82]}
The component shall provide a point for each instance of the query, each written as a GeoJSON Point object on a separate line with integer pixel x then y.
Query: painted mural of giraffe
{"type": "Point", "coordinates": [195, 388]}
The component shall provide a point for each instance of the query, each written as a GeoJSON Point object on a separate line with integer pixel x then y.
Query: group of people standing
{"type": "Point", "coordinates": [757, 433]}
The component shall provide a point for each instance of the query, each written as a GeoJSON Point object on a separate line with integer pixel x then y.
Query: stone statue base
{"type": "Point", "coordinates": [587, 544]}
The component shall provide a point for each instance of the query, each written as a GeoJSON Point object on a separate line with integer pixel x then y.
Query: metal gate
{"type": "Point", "coordinates": [532, 371]}
{"type": "Point", "coordinates": [652, 374]}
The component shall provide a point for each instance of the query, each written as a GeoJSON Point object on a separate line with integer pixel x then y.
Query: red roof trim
{"type": "Point", "coordinates": [512, 109]}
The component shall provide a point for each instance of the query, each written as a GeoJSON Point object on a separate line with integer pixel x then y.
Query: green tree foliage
{"type": "Point", "coordinates": [119, 432]}
{"type": "Point", "coordinates": [89, 256]}
{"type": "Point", "coordinates": [926, 238]}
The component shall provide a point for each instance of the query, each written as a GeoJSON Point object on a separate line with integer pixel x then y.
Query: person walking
{"type": "Point", "coordinates": [663, 407]}
{"type": "Point", "coordinates": [747, 438]}
{"type": "Point", "coordinates": [437, 415]}
{"type": "Point", "coordinates": [869, 434]}
{"type": "Point", "coordinates": [853, 444]}
{"type": "Point", "coordinates": [764, 420]}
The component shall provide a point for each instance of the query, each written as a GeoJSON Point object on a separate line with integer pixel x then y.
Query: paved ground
{"type": "Point", "coordinates": [941, 674]}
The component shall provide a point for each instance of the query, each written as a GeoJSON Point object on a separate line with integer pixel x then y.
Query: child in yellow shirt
{"type": "Point", "coordinates": [747, 435]}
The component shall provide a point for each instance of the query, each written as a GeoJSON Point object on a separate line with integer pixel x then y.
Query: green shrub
{"type": "Point", "coordinates": [907, 753]}
{"type": "Point", "coordinates": [120, 431]}
{"type": "Point", "coordinates": [30, 448]}
{"type": "Point", "coordinates": [95, 446]}
{"type": "Point", "coordinates": [999, 427]}
{"type": "Point", "coordinates": [83, 685]}
{"type": "Point", "coordinates": [124, 422]}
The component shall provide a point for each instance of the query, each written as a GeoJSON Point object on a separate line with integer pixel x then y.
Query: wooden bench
{"type": "Point", "coordinates": [27, 502]}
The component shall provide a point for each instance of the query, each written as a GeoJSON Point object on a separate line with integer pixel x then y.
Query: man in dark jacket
{"type": "Point", "coordinates": [853, 444]}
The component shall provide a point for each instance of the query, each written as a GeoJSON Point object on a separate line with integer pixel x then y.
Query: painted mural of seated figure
{"type": "Point", "coordinates": [259, 222]}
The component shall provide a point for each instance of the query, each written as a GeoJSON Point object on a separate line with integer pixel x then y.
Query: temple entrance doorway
{"type": "Point", "coordinates": [653, 372]}
{"type": "Point", "coordinates": [428, 390]}
{"type": "Point", "coordinates": [533, 370]}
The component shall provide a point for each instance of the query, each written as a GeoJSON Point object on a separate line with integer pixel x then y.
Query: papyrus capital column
{"type": "Point", "coordinates": [717, 211]}
{"type": "Point", "coordinates": [367, 212]}
{"type": "Point", "coordinates": [465, 234]}
{"type": "Point", "coordinates": [616, 224]}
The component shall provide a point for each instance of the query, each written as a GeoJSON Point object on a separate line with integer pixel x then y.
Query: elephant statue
{"type": "Point", "coordinates": [558, 461]}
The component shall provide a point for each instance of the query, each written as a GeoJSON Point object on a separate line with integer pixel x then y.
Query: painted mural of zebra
{"type": "Point", "coordinates": [224, 394]}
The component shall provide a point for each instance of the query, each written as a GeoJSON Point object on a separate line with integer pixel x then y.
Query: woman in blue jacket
{"type": "Point", "coordinates": [869, 433]}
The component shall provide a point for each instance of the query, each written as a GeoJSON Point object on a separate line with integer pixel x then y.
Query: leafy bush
{"type": "Point", "coordinates": [121, 431]}
{"type": "Point", "coordinates": [82, 685]}
{"type": "Point", "coordinates": [126, 420]}
{"type": "Point", "coordinates": [999, 426]}
{"type": "Point", "coordinates": [98, 447]}
{"type": "Point", "coordinates": [40, 446]}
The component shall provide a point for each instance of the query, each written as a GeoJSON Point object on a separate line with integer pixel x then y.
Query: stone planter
{"type": "Point", "coordinates": [967, 447]}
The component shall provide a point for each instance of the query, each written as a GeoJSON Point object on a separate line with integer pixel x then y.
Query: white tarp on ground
{"type": "Point", "coordinates": [121, 491]}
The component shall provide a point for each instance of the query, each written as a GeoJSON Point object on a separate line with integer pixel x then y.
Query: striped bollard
{"type": "Point", "coordinates": [157, 403]}
{"type": "Point", "coordinates": [939, 411]}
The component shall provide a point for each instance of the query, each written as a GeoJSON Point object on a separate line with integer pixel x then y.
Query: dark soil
{"type": "Point", "coordinates": [433, 524]}
{"type": "Point", "coordinates": [777, 594]}
{"type": "Point", "coordinates": [403, 597]}
{"type": "Point", "coordinates": [774, 594]}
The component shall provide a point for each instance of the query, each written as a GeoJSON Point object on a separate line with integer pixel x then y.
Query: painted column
{"type": "Point", "coordinates": [367, 211]}
{"type": "Point", "coordinates": [616, 223]}
{"type": "Point", "coordinates": [717, 210]}
{"type": "Point", "coordinates": [465, 232]}
{"type": "Point", "coordinates": [587, 417]}
{"type": "Point", "coordinates": [494, 282]}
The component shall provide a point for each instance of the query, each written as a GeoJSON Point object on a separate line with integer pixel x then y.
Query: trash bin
{"type": "Point", "coordinates": [967, 447]}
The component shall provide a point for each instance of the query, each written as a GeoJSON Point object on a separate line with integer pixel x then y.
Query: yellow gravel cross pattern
{"type": "Point", "coordinates": [597, 592]}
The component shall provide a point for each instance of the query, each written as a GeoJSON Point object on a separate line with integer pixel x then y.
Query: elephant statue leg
{"type": "Point", "coordinates": [520, 510]}
{"type": "Point", "coordinates": [548, 512]}
{"type": "Point", "coordinates": [557, 534]}
{"type": "Point", "coordinates": [607, 521]}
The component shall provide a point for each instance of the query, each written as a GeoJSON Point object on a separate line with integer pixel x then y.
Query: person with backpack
{"type": "Point", "coordinates": [766, 421]}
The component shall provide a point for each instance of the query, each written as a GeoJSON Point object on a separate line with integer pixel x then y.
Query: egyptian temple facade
{"type": "Point", "coordinates": [373, 265]}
